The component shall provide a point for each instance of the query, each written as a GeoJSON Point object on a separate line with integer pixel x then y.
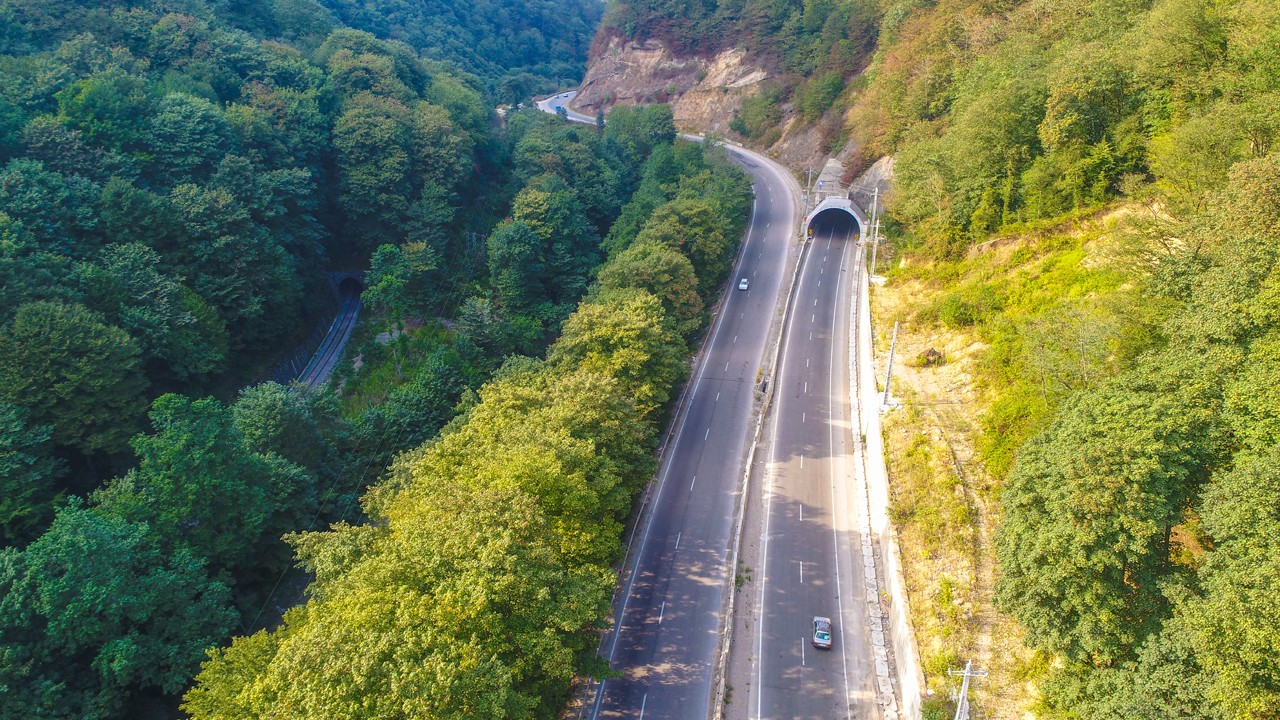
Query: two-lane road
{"type": "Point", "coordinates": [562, 100]}
{"type": "Point", "coordinates": [668, 623]}
{"type": "Point", "coordinates": [809, 566]}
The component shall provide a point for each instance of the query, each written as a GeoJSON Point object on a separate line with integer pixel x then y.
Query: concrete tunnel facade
{"type": "Point", "coordinates": [839, 205]}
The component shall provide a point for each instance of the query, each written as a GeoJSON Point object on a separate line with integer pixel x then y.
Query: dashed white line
{"type": "Point", "coordinates": [717, 397]}
{"type": "Point", "coordinates": [695, 479]}
{"type": "Point", "coordinates": [678, 535]}
{"type": "Point", "coordinates": [707, 434]}
{"type": "Point", "coordinates": [663, 609]}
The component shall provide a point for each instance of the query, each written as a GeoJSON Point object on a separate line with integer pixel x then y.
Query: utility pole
{"type": "Point", "coordinates": [875, 245]}
{"type": "Point", "coordinates": [962, 703]}
{"type": "Point", "coordinates": [893, 347]}
{"type": "Point", "coordinates": [808, 192]}
{"type": "Point", "coordinates": [875, 201]}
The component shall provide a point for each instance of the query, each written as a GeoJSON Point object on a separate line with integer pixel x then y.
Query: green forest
{"type": "Point", "coordinates": [174, 184]}
{"type": "Point", "coordinates": [1130, 424]}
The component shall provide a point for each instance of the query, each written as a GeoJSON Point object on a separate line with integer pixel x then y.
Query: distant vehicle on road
{"type": "Point", "coordinates": [821, 632]}
{"type": "Point", "coordinates": [742, 285]}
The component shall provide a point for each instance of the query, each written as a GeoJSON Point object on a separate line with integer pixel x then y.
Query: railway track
{"type": "Point", "coordinates": [326, 358]}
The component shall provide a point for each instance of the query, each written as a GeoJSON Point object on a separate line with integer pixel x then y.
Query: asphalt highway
{"type": "Point", "coordinates": [809, 565]}
{"type": "Point", "coordinates": [563, 99]}
{"type": "Point", "coordinates": [668, 622]}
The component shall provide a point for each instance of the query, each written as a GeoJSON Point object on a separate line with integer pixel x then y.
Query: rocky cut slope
{"type": "Point", "coordinates": [775, 77]}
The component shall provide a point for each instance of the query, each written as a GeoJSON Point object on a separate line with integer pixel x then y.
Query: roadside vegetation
{"type": "Point", "coordinates": [172, 189]}
{"type": "Point", "coordinates": [1081, 223]}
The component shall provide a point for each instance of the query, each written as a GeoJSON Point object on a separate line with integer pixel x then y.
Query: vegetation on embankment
{"type": "Point", "coordinates": [1016, 326]}
{"type": "Point", "coordinates": [1117, 420]}
{"type": "Point", "coordinates": [1117, 441]}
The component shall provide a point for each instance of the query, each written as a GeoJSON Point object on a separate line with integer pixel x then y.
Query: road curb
{"type": "Point", "coordinates": [873, 491]}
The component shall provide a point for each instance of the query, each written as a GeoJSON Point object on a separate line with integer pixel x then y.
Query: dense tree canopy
{"type": "Point", "coordinates": [1139, 528]}
{"type": "Point", "coordinates": [495, 540]}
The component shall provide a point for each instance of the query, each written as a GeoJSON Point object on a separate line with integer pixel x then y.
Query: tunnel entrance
{"type": "Point", "coordinates": [833, 219]}
{"type": "Point", "coordinates": [350, 286]}
{"type": "Point", "coordinates": [831, 209]}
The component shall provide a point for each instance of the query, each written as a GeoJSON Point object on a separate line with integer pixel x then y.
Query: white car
{"type": "Point", "coordinates": [742, 284]}
{"type": "Point", "coordinates": [821, 632]}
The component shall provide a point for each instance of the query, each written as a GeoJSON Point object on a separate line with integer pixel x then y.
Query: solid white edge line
{"type": "Point", "coordinates": [835, 532]}
{"type": "Point", "coordinates": [662, 481]}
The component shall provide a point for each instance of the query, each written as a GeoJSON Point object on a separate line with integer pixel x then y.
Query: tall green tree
{"type": "Point", "coordinates": [199, 488]}
{"type": "Point", "coordinates": [515, 267]}
{"type": "Point", "coordinates": [625, 335]}
{"type": "Point", "coordinates": [665, 273]}
{"type": "Point", "coordinates": [74, 373]}
{"type": "Point", "coordinates": [93, 610]}
{"type": "Point", "coordinates": [27, 472]}
{"type": "Point", "coordinates": [1089, 507]}
{"type": "Point", "coordinates": [1234, 616]}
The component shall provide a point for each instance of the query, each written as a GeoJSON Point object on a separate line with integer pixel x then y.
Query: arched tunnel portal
{"type": "Point", "coordinates": [830, 209]}
{"type": "Point", "coordinates": [346, 284]}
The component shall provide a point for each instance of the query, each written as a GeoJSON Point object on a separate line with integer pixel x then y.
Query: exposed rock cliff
{"type": "Point", "coordinates": [704, 93]}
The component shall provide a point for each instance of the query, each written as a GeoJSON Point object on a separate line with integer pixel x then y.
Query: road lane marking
{"type": "Point", "coordinates": [726, 367]}
{"type": "Point", "coordinates": [644, 539]}
{"type": "Point", "coordinates": [717, 397]}
{"type": "Point", "coordinates": [806, 362]}
{"type": "Point", "coordinates": [678, 539]}
{"type": "Point", "coordinates": [768, 508]}
{"type": "Point", "coordinates": [663, 609]}
{"type": "Point", "coordinates": [835, 532]}
{"type": "Point", "coordinates": [806, 387]}
{"type": "Point", "coordinates": [802, 416]}
{"type": "Point", "coordinates": [801, 567]}
{"type": "Point", "coordinates": [801, 512]}
{"type": "Point", "coordinates": [802, 652]}
{"type": "Point", "coordinates": [802, 461]}
{"type": "Point", "coordinates": [695, 479]}
{"type": "Point", "coordinates": [815, 301]}
{"type": "Point", "coordinates": [735, 339]}
{"type": "Point", "coordinates": [811, 319]}
{"type": "Point", "coordinates": [707, 434]}
{"type": "Point", "coordinates": [642, 701]}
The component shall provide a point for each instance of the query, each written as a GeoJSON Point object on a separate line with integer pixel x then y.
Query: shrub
{"type": "Point", "coordinates": [956, 312]}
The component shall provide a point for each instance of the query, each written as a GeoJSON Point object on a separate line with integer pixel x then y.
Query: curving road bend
{"type": "Point", "coordinates": [562, 100]}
